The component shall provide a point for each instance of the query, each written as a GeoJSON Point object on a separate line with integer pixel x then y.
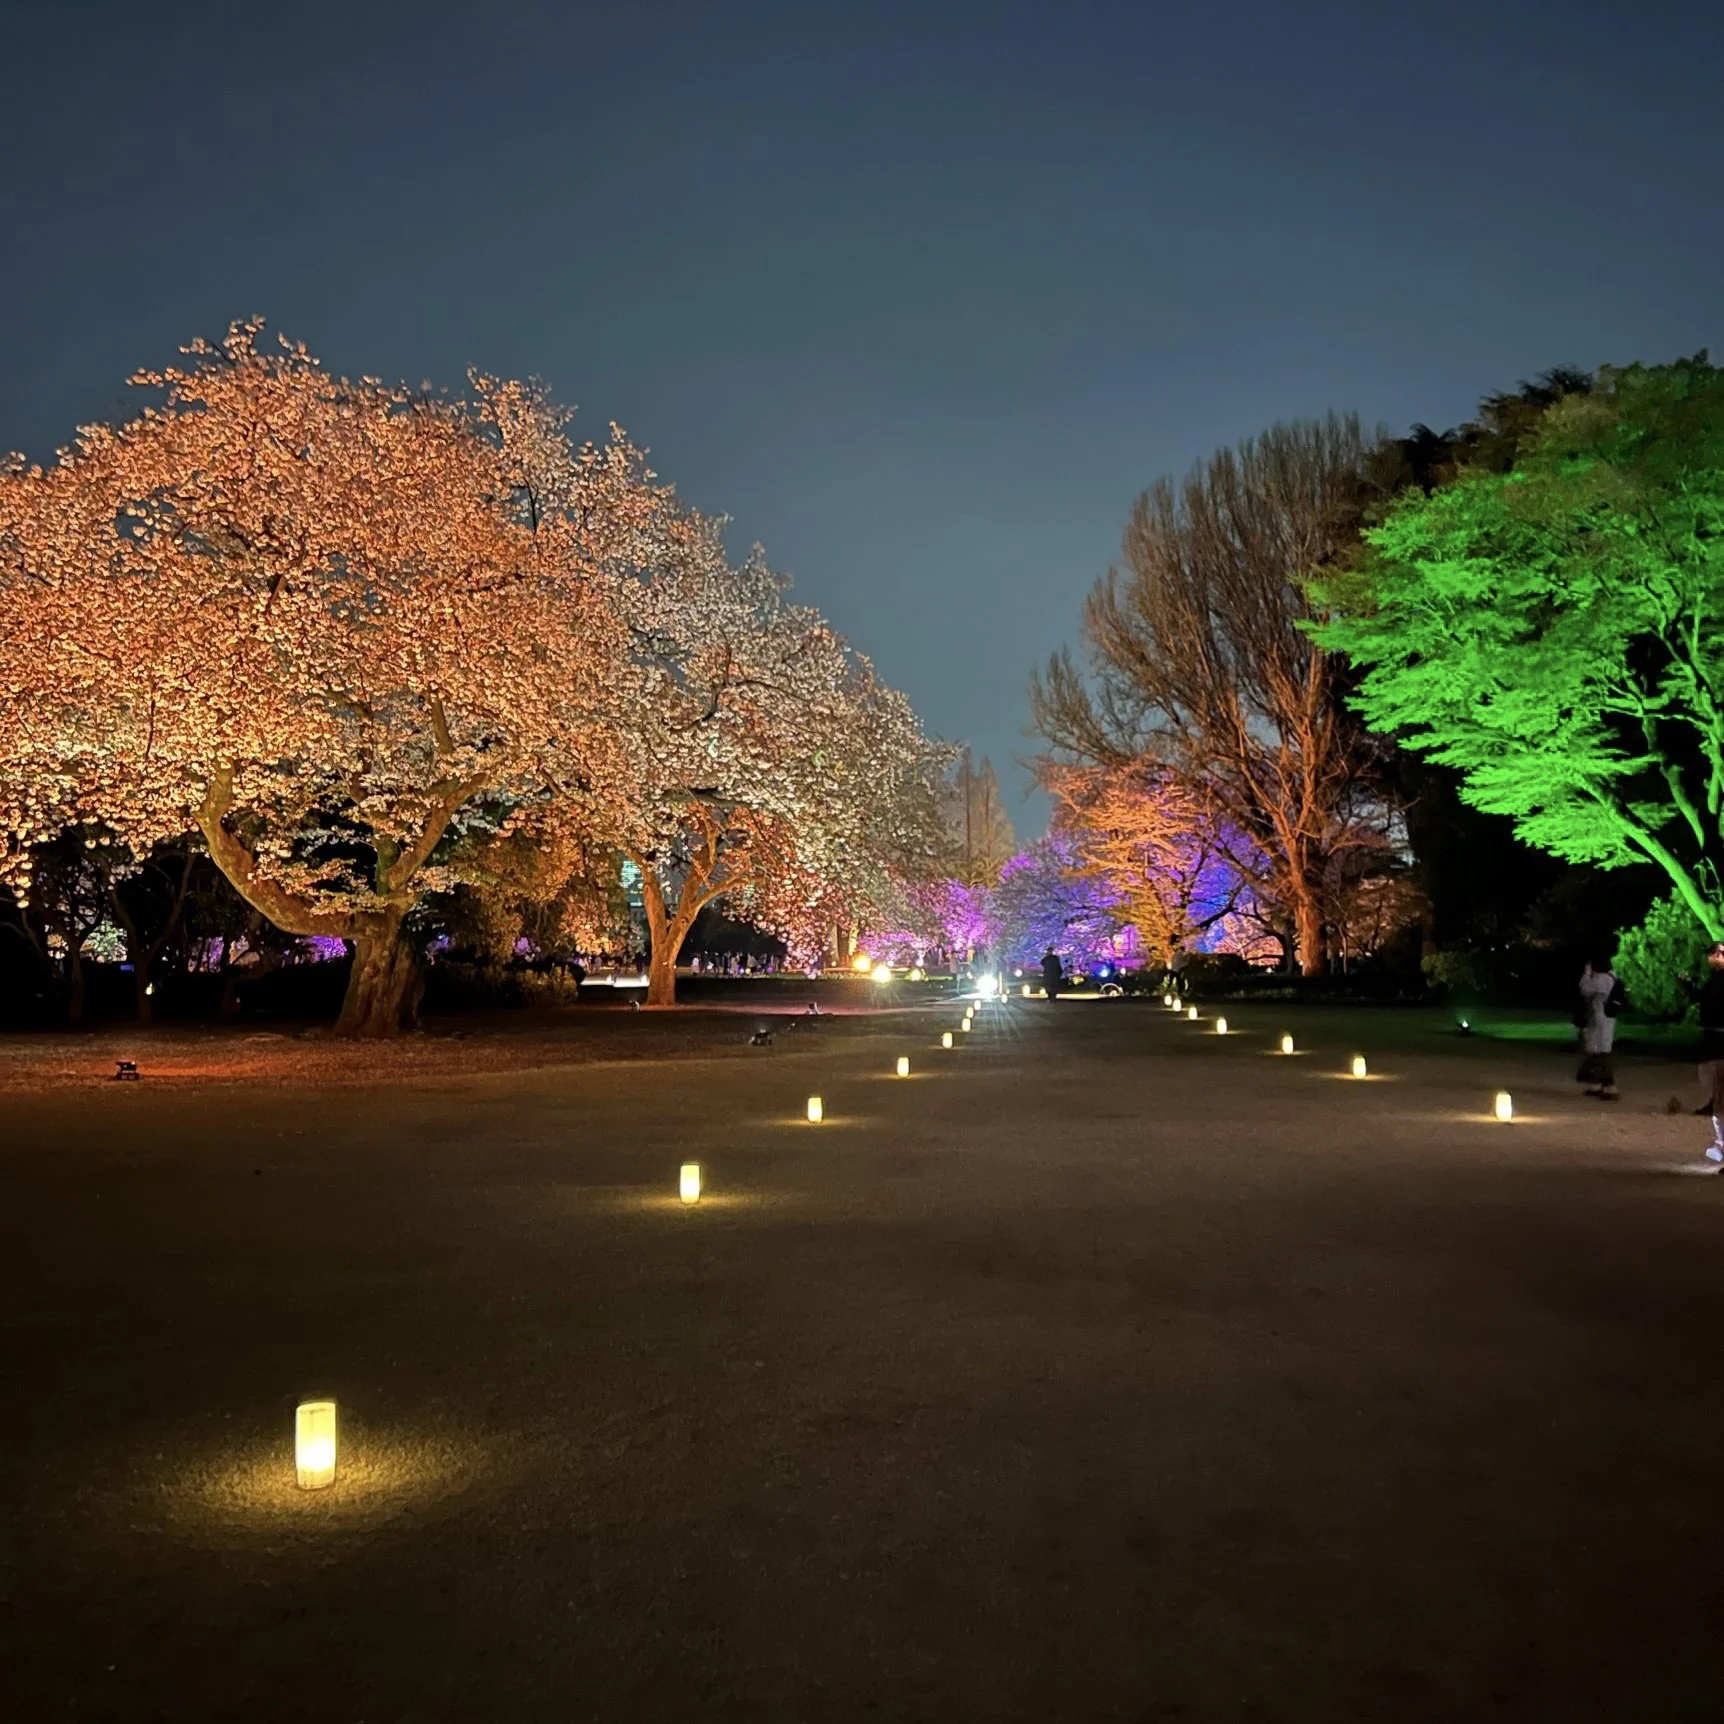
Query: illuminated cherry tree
{"type": "Point", "coordinates": [768, 765]}
{"type": "Point", "coordinates": [325, 623]}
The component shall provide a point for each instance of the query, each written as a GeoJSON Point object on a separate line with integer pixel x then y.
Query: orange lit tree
{"type": "Point", "coordinates": [328, 624]}
{"type": "Point", "coordinates": [767, 764]}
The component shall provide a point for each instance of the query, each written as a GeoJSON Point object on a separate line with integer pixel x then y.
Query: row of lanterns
{"type": "Point", "coordinates": [314, 1426]}
{"type": "Point", "coordinates": [1502, 1108]}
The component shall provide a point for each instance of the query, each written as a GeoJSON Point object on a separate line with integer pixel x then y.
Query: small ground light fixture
{"type": "Point", "coordinates": [882, 972]}
{"type": "Point", "coordinates": [1191, 1014]}
{"type": "Point", "coordinates": [1504, 1105]}
{"type": "Point", "coordinates": [1167, 999]}
{"type": "Point", "coordinates": [946, 1039]}
{"type": "Point", "coordinates": [314, 1444]}
{"type": "Point", "coordinates": [1221, 1026]}
{"type": "Point", "coordinates": [1025, 990]}
{"type": "Point", "coordinates": [965, 1026]}
{"type": "Point", "coordinates": [1286, 1044]}
{"type": "Point", "coordinates": [816, 1110]}
{"type": "Point", "coordinates": [1359, 1068]}
{"type": "Point", "coordinates": [903, 1065]}
{"type": "Point", "coordinates": [688, 1185]}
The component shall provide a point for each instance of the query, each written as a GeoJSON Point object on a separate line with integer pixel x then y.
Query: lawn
{"type": "Point", "coordinates": [1104, 1368]}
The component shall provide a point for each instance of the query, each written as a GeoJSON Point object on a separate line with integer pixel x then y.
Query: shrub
{"type": "Point", "coordinates": [1650, 958]}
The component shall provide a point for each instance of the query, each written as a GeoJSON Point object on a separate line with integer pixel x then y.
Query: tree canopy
{"type": "Point", "coordinates": [1555, 631]}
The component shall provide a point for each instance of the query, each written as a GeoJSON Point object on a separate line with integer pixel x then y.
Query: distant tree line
{"type": "Point", "coordinates": [1441, 699]}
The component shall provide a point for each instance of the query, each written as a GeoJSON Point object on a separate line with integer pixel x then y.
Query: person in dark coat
{"type": "Point", "coordinates": [1053, 973]}
{"type": "Point", "coordinates": [1710, 999]}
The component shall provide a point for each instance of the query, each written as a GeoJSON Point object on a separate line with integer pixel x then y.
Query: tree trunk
{"type": "Point", "coordinates": [1308, 913]}
{"type": "Point", "coordinates": [380, 991]}
{"type": "Point", "coordinates": [141, 993]}
{"type": "Point", "coordinates": [75, 989]}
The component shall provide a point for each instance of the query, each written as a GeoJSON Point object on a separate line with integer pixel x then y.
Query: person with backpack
{"type": "Point", "coordinates": [1602, 999]}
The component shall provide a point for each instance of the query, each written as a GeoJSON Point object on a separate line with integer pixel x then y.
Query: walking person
{"type": "Point", "coordinates": [1053, 973]}
{"type": "Point", "coordinates": [1601, 1000]}
{"type": "Point", "coordinates": [1710, 1000]}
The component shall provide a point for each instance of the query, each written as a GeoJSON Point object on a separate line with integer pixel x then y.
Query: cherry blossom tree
{"type": "Point", "coordinates": [769, 766]}
{"type": "Point", "coordinates": [327, 624]}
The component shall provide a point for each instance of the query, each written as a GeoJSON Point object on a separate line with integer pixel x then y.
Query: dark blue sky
{"type": "Point", "coordinates": [921, 296]}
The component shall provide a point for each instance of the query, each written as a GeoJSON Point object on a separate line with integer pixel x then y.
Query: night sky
{"type": "Point", "coordinates": [921, 296]}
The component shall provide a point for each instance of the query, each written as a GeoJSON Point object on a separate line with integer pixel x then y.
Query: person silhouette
{"type": "Point", "coordinates": [1053, 973]}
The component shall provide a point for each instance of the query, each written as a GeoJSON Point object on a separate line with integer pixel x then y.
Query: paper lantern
{"type": "Point", "coordinates": [1505, 1105]}
{"type": "Point", "coordinates": [1358, 1065]}
{"type": "Point", "coordinates": [882, 973]}
{"type": "Point", "coordinates": [1221, 1026]}
{"type": "Point", "coordinates": [903, 1065]}
{"type": "Point", "coordinates": [965, 1025]}
{"type": "Point", "coordinates": [690, 1182]}
{"type": "Point", "coordinates": [1026, 990]}
{"type": "Point", "coordinates": [1192, 1014]}
{"type": "Point", "coordinates": [1286, 1044]}
{"type": "Point", "coordinates": [816, 1110]}
{"type": "Point", "coordinates": [1167, 999]}
{"type": "Point", "coordinates": [314, 1444]}
{"type": "Point", "coordinates": [946, 1039]}
{"type": "Point", "coordinates": [862, 964]}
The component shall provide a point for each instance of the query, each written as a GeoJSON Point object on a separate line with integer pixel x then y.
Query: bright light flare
{"type": "Point", "coordinates": [882, 972]}
{"type": "Point", "coordinates": [862, 964]}
{"type": "Point", "coordinates": [987, 986]}
{"type": "Point", "coordinates": [314, 1445]}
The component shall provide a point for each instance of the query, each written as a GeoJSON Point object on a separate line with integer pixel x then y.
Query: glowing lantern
{"type": "Point", "coordinates": [1358, 1065]}
{"type": "Point", "coordinates": [1286, 1044]}
{"type": "Point", "coordinates": [816, 1110]}
{"type": "Point", "coordinates": [1221, 1026]}
{"type": "Point", "coordinates": [1025, 990]}
{"type": "Point", "coordinates": [903, 1065]}
{"type": "Point", "coordinates": [916, 974]}
{"type": "Point", "coordinates": [946, 1039]}
{"type": "Point", "coordinates": [1167, 999]}
{"type": "Point", "coordinates": [689, 1186]}
{"type": "Point", "coordinates": [1505, 1105]}
{"type": "Point", "coordinates": [882, 972]}
{"type": "Point", "coordinates": [1191, 1014]}
{"type": "Point", "coordinates": [314, 1444]}
{"type": "Point", "coordinates": [861, 964]}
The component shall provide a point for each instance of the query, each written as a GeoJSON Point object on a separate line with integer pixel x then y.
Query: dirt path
{"type": "Point", "coordinates": [1104, 1369]}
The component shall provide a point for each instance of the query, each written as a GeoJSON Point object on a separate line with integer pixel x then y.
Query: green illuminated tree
{"type": "Point", "coordinates": [1555, 631]}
